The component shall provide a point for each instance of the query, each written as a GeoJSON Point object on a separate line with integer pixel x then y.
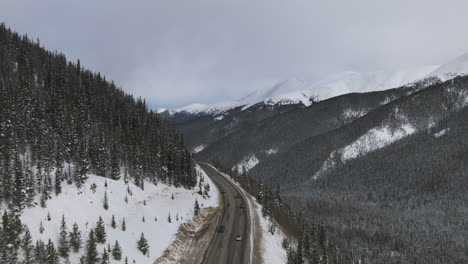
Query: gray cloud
{"type": "Point", "coordinates": [177, 52]}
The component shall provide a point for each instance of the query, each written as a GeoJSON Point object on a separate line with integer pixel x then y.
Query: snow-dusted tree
{"type": "Point", "coordinates": [100, 231]}
{"type": "Point", "coordinates": [18, 203]}
{"type": "Point", "coordinates": [63, 242]}
{"type": "Point", "coordinates": [10, 237]}
{"type": "Point", "coordinates": [143, 245]}
{"type": "Point", "coordinates": [58, 177]}
{"type": "Point", "coordinates": [124, 225]}
{"type": "Point", "coordinates": [115, 163]}
{"type": "Point", "coordinates": [75, 238]}
{"type": "Point", "coordinates": [196, 208]}
{"type": "Point", "coordinates": [106, 201]}
{"type": "Point", "coordinates": [27, 247]}
{"type": "Point", "coordinates": [29, 189]}
{"type": "Point", "coordinates": [82, 165]}
{"type": "Point", "coordinates": [113, 223]}
{"type": "Point", "coordinates": [41, 227]}
{"type": "Point", "coordinates": [105, 257]}
{"type": "Point", "coordinates": [91, 251]}
{"type": "Point", "coordinates": [40, 252]}
{"type": "Point", "coordinates": [117, 251]}
{"type": "Point", "coordinates": [51, 254]}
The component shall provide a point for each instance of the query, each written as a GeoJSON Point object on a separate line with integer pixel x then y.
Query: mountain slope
{"type": "Point", "coordinates": [60, 126]}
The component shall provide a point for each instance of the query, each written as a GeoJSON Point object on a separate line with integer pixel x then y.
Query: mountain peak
{"type": "Point", "coordinates": [456, 67]}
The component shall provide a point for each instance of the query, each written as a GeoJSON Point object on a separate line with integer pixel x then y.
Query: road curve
{"type": "Point", "coordinates": [224, 248]}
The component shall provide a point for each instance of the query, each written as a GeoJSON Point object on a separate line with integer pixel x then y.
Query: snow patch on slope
{"type": "Point", "coordinates": [84, 207]}
{"type": "Point", "coordinates": [271, 151]}
{"type": "Point", "coordinates": [199, 148]}
{"type": "Point", "coordinates": [441, 132]}
{"type": "Point", "coordinates": [246, 164]}
{"type": "Point", "coordinates": [456, 67]}
{"type": "Point", "coordinates": [372, 140]}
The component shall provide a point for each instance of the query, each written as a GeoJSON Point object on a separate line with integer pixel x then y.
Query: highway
{"type": "Point", "coordinates": [223, 248]}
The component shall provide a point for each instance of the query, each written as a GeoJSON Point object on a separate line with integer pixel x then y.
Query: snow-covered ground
{"type": "Point", "coordinates": [271, 244]}
{"type": "Point", "coordinates": [84, 207]}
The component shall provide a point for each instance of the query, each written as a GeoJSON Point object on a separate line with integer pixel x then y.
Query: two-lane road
{"type": "Point", "coordinates": [224, 248]}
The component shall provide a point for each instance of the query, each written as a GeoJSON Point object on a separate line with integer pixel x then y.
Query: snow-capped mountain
{"type": "Point", "coordinates": [297, 91]}
{"type": "Point", "coordinates": [456, 67]}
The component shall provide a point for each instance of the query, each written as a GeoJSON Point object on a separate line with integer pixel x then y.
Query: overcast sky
{"type": "Point", "coordinates": [176, 52]}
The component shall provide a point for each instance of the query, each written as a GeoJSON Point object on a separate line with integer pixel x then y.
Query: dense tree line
{"type": "Point", "coordinates": [60, 121]}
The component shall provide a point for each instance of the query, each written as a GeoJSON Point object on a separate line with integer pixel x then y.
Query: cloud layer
{"type": "Point", "coordinates": [177, 52]}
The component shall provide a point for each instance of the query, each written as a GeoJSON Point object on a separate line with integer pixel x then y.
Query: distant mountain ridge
{"type": "Point", "coordinates": [297, 91]}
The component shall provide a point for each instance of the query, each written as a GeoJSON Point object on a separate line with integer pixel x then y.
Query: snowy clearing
{"type": "Point", "coordinates": [84, 207]}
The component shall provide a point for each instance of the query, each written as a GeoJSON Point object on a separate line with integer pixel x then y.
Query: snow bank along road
{"type": "Point", "coordinates": [235, 217]}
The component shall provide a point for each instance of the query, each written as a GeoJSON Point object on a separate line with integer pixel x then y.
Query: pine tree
{"type": "Point", "coordinates": [51, 254]}
{"type": "Point", "coordinates": [143, 219]}
{"type": "Point", "coordinates": [126, 260]}
{"type": "Point", "coordinates": [115, 164]}
{"type": "Point", "coordinates": [30, 192]}
{"type": "Point", "coordinates": [169, 218]}
{"type": "Point", "coordinates": [41, 227]}
{"type": "Point", "coordinates": [100, 231]}
{"type": "Point", "coordinates": [143, 245]}
{"type": "Point", "coordinates": [91, 251]}
{"type": "Point", "coordinates": [40, 252]}
{"type": "Point", "coordinates": [105, 257]}
{"type": "Point", "coordinates": [18, 202]}
{"type": "Point", "coordinates": [10, 237]}
{"type": "Point", "coordinates": [124, 226]}
{"type": "Point", "coordinates": [75, 238]}
{"type": "Point", "coordinates": [106, 202]}
{"type": "Point", "coordinates": [63, 244]}
{"type": "Point", "coordinates": [196, 209]}
{"type": "Point", "coordinates": [58, 178]}
{"type": "Point", "coordinates": [82, 165]}
{"type": "Point", "coordinates": [117, 251]}
{"type": "Point", "coordinates": [27, 246]}
{"type": "Point", "coordinates": [48, 217]}
{"type": "Point", "coordinates": [113, 223]}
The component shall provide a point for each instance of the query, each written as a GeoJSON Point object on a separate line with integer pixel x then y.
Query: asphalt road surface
{"type": "Point", "coordinates": [224, 249]}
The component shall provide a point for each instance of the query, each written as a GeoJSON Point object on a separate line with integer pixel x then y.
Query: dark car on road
{"type": "Point", "coordinates": [220, 229]}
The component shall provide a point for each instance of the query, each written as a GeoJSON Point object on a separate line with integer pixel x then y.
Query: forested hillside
{"type": "Point", "coordinates": [60, 122]}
